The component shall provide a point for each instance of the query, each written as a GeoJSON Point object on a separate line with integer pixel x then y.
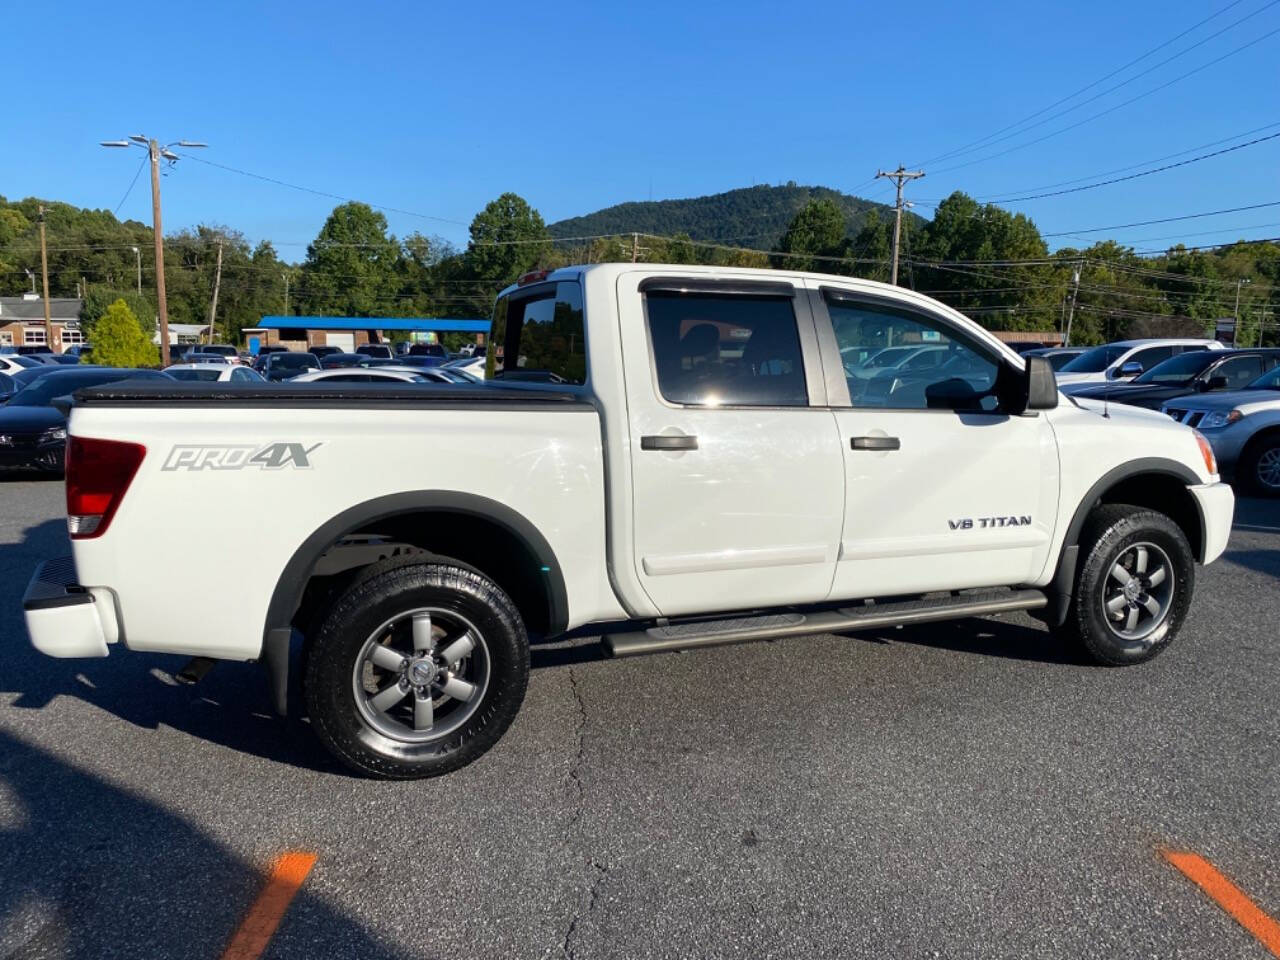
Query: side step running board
{"type": "Point", "coordinates": [710, 633]}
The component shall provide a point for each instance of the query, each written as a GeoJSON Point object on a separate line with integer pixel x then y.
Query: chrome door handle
{"type": "Point", "coordinates": [665, 442]}
{"type": "Point", "coordinates": [875, 443]}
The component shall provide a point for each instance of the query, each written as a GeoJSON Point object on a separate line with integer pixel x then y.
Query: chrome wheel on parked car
{"type": "Point", "coordinates": [421, 675]}
{"type": "Point", "coordinates": [1138, 592]}
{"type": "Point", "coordinates": [1267, 469]}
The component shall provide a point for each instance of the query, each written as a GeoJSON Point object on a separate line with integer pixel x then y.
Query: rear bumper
{"type": "Point", "coordinates": [1217, 507]}
{"type": "Point", "coordinates": [63, 617]}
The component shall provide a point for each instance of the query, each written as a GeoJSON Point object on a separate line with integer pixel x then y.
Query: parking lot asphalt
{"type": "Point", "coordinates": [962, 790]}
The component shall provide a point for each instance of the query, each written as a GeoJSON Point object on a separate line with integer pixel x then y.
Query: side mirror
{"type": "Point", "coordinates": [1130, 369]}
{"type": "Point", "coordinates": [1217, 383]}
{"type": "Point", "coordinates": [1040, 385]}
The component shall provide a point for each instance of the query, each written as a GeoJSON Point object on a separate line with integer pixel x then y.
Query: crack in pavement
{"type": "Point", "coordinates": [575, 816]}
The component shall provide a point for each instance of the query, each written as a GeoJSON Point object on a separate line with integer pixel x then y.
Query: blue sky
{"type": "Point", "coordinates": [435, 109]}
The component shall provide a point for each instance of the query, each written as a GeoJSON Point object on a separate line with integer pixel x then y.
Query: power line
{"type": "Point", "coordinates": [993, 139]}
{"type": "Point", "coordinates": [1113, 109]}
{"type": "Point", "coordinates": [1145, 223]}
{"type": "Point", "coordinates": [1087, 87]}
{"type": "Point", "coordinates": [1000, 197]}
{"type": "Point", "coordinates": [322, 193]}
{"type": "Point", "coordinates": [137, 173]}
{"type": "Point", "coordinates": [1144, 173]}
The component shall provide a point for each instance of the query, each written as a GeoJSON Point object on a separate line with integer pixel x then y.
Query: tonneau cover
{"type": "Point", "coordinates": [147, 393]}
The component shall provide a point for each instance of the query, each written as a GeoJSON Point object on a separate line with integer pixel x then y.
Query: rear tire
{"type": "Point", "coordinates": [1258, 471]}
{"type": "Point", "coordinates": [1134, 586]}
{"type": "Point", "coordinates": [417, 670]}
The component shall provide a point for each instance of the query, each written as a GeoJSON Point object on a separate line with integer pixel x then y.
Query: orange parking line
{"type": "Point", "coordinates": [1229, 897]}
{"type": "Point", "coordinates": [260, 923]}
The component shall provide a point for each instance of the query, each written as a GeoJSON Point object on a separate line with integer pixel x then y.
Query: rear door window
{"type": "Point", "coordinates": [726, 350]}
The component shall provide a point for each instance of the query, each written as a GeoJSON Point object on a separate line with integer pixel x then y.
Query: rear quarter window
{"type": "Point", "coordinates": [539, 336]}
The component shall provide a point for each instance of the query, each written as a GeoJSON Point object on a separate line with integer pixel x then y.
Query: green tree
{"type": "Point", "coordinates": [118, 340]}
{"type": "Point", "coordinates": [508, 238]}
{"type": "Point", "coordinates": [816, 231]}
{"type": "Point", "coordinates": [350, 268]}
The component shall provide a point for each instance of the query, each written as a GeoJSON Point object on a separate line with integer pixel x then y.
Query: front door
{"type": "Point", "coordinates": [946, 488]}
{"type": "Point", "coordinates": [737, 475]}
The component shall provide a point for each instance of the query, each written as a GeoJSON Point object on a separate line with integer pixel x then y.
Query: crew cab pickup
{"type": "Point", "coordinates": [686, 456]}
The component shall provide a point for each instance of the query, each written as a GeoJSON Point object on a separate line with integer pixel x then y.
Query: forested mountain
{"type": "Point", "coordinates": [750, 216]}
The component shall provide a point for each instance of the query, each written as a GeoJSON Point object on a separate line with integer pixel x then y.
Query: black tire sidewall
{"type": "Point", "coordinates": [378, 596]}
{"type": "Point", "coordinates": [1247, 472]}
{"type": "Point", "coordinates": [1112, 531]}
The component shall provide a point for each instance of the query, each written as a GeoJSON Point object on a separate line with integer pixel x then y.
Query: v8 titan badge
{"type": "Point", "coordinates": [215, 456]}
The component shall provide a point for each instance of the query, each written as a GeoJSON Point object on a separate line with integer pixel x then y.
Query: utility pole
{"type": "Point", "coordinates": [899, 176]}
{"type": "Point", "coordinates": [1075, 289]}
{"type": "Point", "coordinates": [137, 255]}
{"type": "Point", "coordinates": [162, 305]}
{"type": "Point", "coordinates": [286, 293]}
{"type": "Point", "coordinates": [635, 247]}
{"type": "Point", "coordinates": [217, 282]}
{"type": "Point", "coordinates": [155, 152]}
{"type": "Point", "coordinates": [44, 275]}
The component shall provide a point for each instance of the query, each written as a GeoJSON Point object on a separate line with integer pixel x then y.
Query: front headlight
{"type": "Point", "coordinates": [54, 435]}
{"type": "Point", "coordinates": [1219, 418]}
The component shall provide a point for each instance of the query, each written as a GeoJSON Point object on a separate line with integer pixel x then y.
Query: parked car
{"type": "Point", "coordinates": [428, 350]}
{"type": "Point", "coordinates": [471, 366]}
{"type": "Point", "coordinates": [335, 360]}
{"type": "Point", "coordinates": [79, 350]}
{"type": "Point", "coordinates": [34, 351]}
{"type": "Point", "coordinates": [1199, 371]}
{"type": "Point", "coordinates": [33, 432]}
{"type": "Point", "coordinates": [707, 485]}
{"type": "Point", "coordinates": [422, 361]}
{"type": "Point", "coordinates": [178, 352]}
{"type": "Point", "coordinates": [324, 350]}
{"type": "Point", "coordinates": [1243, 427]}
{"type": "Point", "coordinates": [214, 373]}
{"type": "Point", "coordinates": [62, 359]}
{"type": "Point", "coordinates": [202, 357]}
{"type": "Point", "coordinates": [228, 353]}
{"type": "Point", "coordinates": [8, 387]}
{"type": "Point", "coordinates": [1058, 357]}
{"type": "Point", "coordinates": [287, 365]}
{"type": "Point", "coordinates": [13, 362]}
{"type": "Point", "coordinates": [362, 375]}
{"type": "Point", "coordinates": [380, 350]}
{"type": "Point", "coordinates": [1125, 359]}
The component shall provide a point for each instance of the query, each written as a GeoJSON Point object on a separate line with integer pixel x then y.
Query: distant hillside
{"type": "Point", "coordinates": [749, 217]}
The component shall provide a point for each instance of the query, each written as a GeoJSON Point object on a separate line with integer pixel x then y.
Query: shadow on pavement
{"type": "Point", "coordinates": [91, 871]}
{"type": "Point", "coordinates": [988, 638]}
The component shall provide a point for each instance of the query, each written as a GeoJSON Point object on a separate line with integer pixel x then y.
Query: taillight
{"type": "Point", "coordinates": [98, 474]}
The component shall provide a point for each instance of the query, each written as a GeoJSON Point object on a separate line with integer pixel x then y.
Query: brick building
{"type": "Point", "coordinates": [22, 322]}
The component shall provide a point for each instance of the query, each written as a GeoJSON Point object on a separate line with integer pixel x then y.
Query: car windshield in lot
{"type": "Point", "coordinates": [1095, 360]}
{"type": "Point", "coordinates": [1268, 381]}
{"type": "Point", "coordinates": [213, 373]}
{"type": "Point", "coordinates": [1178, 370]}
{"type": "Point", "coordinates": [61, 383]}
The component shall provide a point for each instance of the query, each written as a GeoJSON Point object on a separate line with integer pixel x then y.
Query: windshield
{"type": "Point", "coordinates": [39, 393]}
{"type": "Point", "coordinates": [1268, 381]}
{"type": "Point", "coordinates": [1095, 360]}
{"type": "Point", "coordinates": [212, 374]}
{"type": "Point", "coordinates": [1178, 370]}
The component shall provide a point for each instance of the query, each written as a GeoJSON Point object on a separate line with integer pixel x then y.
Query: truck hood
{"type": "Point", "coordinates": [1122, 414]}
{"type": "Point", "coordinates": [1246, 401]}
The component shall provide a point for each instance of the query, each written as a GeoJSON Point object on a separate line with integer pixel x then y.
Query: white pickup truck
{"type": "Point", "coordinates": [686, 456]}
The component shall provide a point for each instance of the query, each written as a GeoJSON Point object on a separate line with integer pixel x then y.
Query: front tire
{"type": "Point", "coordinates": [1134, 587]}
{"type": "Point", "coordinates": [1259, 468]}
{"type": "Point", "coordinates": [417, 670]}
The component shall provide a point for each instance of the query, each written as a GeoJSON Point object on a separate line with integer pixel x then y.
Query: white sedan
{"type": "Point", "coordinates": [214, 373]}
{"type": "Point", "coordinates": [387, 374]}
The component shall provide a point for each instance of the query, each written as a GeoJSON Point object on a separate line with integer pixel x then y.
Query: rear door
{"type": "Point", "coordinates": [946, 489]}
{"type": "Point", "coordinates": [737, 475]}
